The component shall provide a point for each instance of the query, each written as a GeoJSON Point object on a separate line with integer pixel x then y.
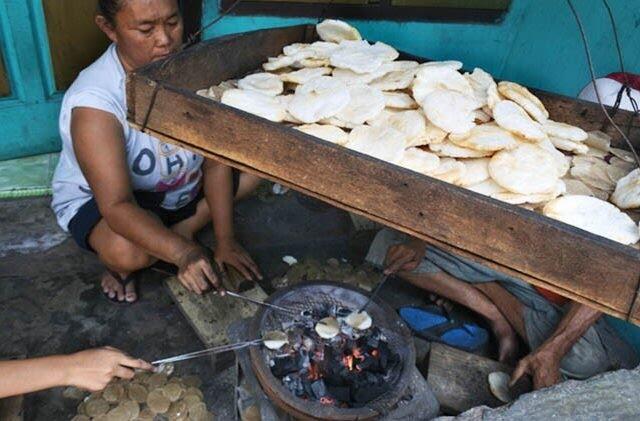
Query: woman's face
{"type": "Point", "coordinates": [145, 31]}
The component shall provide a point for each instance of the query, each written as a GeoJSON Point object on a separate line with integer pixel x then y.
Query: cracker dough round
{"type": "Point", "coordinates": [420, 161]}
{"type": "Point", "coordinates": [523, 97]}
{"type": "Point", "coordinates": [450, 110]}
{"type": "Point", "coordinates": [485, 137]}
{"type": "Point", "coordinates": [627, 192]}
{"type": "Point", "coordinates": [326, 132]}
{"type": "Point", "coordinates": [328, 328]}
{"type": "Point", "coordinates": [253, 102]}
{"type": "Point", "coordinates": [332, 30]}
{"type": "Point", "coordinates": [594, 215]}
{"type": "Point", "coordinates": [359, 320]}
{"type": "Point", "coordinates": [527, 169]}
{"type": "Point", "coordinates": [512, 117]}
{"type": "Point", "coordinates": [275, 339]}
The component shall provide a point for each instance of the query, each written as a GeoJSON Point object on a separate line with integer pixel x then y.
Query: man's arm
{"type": "Point", "coordinates": [543, 364]}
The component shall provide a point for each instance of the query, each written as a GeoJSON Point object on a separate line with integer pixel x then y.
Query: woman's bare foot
{"type": "Point", "coordinates": [114, 290]}
{"type": "Point", "coordinates": [507, 341]}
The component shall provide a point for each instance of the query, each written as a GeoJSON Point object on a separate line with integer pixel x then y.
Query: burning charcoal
{"type": "Point", "coordinates": [318, 389]}
{"type": "Point", "coordinates": [340, 393]}
{"type": "Point", "coordinates": [295, 385]}
{"type": "Point", "coordinates": [284, 366]}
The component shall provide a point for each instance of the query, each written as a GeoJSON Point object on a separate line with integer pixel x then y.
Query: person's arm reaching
{"type": "Point", "coordinates": [543, 364]}
{"type": "Point", "coordinates": [218, 190]}
{"type": "Point", "coordinates": [91, 370]}
{"type": "Point", "coordinates": [99, 145]}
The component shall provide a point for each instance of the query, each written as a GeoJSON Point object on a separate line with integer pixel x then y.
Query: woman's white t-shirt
{"type": "Point", "coordinates": [154, 166]}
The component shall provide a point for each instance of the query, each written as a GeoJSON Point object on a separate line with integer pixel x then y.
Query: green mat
{"type": "Point", "coordinates": [27, 177]}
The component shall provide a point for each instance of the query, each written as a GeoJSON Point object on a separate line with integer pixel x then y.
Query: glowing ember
{"type": "Point", "coordinates": [325, 400]}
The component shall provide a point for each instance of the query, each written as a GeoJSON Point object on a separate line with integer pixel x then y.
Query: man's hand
{"type": "Point", "coordinates": [195, 271]}
{"type": "Point", "coordinates": [95, 368]}
{"type": "Point", "coordinates": [542, 365]}
{"type": "Point", "coordinates": [404, 257]}
{"type": "Point", "coordinates": [230, 252]}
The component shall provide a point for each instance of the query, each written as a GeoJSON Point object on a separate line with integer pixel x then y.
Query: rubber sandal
{"type": "Point", "coordinates": [433, 324]}
{"type": "Point", "coordinates": [124, 282]}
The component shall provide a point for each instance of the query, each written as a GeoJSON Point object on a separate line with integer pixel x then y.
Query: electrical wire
{"type": "Point", "coordinates": [593, 81]}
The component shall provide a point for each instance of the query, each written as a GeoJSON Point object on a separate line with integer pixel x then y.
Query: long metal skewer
{"type": "Point", "coordinates": [375, 292]}
{"type": "Point", "coordinates": [208, 351]}
{"type": "Point", "coordinates": [242, 297]}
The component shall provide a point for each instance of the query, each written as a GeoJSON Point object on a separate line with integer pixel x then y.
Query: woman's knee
{"type": "Point", "coordinates": [122, 255]}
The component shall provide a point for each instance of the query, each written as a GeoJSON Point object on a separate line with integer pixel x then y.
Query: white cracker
{"type": "Point", "coordinates": [256, 103]}
{"type": "Point", "coordinates": [527, 169]}
{"type": "Point", "coordinates": [448, 149]}
{"type": "Point", "coordinates": [569, 145]}
{"type": "Point", "coordinates": [598, 140]}
{"type": "Point", "coordinates": [480, 82]}
{"type": "Point", "coordinates": [449, 170]}
{"type": "Point", "coordinates": [430, 79]}
{"type": "Point", "coordinates": [320, 98]}
{"type": "Point", "coordinates": [399, 100]}
{"type": "Point", "coordinates": [523, 97]}
{"type": "Point", "coordinates": [399, 79]}
{"type": "Point", "coordinates": [266, 83]}
{"type": "Point", "coordinates": [303, 76]}
{"type": "Point", "coordinates": [488, 188]}
{"type": "Point", "coordinates": [486, 137]}
{"type": "Point", "coordinates": [383, 143]}
{"type": "Point", "coordinates": [563, 162]}
{"type": "Point", "coordinates": [519, 199]}
{"type": "Point", "coordinates": [564, 131]}
{"type": "Point", "coordinates": [275, 63]}
{"type": "Point", "coordinates": [594, 215]}
{"type": "Point", "coordinates": [351, 78]}
{"type": "Point", "coordinates": [329, 133]}
{"type": "Point", "coordinates": [420, 161]}
{"type": "Point", "coordinates": [451, 64]}
{"type": "Point", "coordinates": [477, 171]}
{"type": "Point", "coordinates": [450, 110]}
{"type": "Point", "coordinates": [365, 104]}
{"type": "Point", "coordinates": [512, 117]}
{"type": "Point", "coordinates": [627, 192]}
{"type": "Point", "coordinates": [412, 123]}
{"type": "Point", "coordinates": [331, 30]}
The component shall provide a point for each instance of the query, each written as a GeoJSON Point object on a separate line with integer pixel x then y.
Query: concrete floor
{"type": "Point", "coordinates": [50, 300]}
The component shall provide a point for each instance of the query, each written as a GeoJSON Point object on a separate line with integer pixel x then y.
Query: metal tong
{"type": "Point", "coordinates": [208, 351]}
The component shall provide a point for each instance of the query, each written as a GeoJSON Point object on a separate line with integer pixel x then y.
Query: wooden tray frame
{"type": "Point", "coordinates": [574, 263]}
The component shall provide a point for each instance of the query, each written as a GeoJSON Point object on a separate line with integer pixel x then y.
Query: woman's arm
{"type": "Point", "coordinates": [218, 191]}
{"type": "Point", "coordinates": [91, 370]}
{"type": "Point", "coordinates": [99, 145]}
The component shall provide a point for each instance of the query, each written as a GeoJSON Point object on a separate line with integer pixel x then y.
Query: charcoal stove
{"type": "Point", "coordinates": [319, 295]}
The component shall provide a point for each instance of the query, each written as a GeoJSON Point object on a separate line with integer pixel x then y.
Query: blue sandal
{"type": "Point", "coordinates": [431, 323]}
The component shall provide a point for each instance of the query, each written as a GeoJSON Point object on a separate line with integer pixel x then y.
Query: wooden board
{"type": "Point", "coordinates": [582, 266]}
{"type": "Point", "coordinates": [210, 315]}
{"type": "Point", "coordinates": [459, 379]}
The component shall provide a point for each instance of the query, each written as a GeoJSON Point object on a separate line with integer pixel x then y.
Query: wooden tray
{"type": "Point", "coordinates": [572, 262]}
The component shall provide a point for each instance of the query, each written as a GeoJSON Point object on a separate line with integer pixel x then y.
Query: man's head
{"type": "Point", "coordinates": [144, 30]}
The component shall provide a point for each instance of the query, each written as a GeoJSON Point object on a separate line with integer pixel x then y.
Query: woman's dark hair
{"type": "Point", "coordinates": [109, 9]}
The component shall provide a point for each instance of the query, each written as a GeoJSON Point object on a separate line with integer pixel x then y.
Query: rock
{"type": "Point", "coordinates": [608, 396]}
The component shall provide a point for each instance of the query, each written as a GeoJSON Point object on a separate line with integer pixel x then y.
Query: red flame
{"type": "Point", "coordinates": [350, 360]}
{"type": "Point", "coordinates": [314, 372]}
{"type": "Point", "coordinates": [325, 400]}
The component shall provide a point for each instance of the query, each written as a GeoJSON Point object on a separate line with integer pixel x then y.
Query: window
{"type": "Point", "coordinates": [425, 10]}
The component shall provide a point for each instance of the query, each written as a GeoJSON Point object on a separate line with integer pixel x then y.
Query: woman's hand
{"type": "Point", "coordinates": [404, 257]}
{"type": "Point", "coordinates": [230, 252]}
{"type": "Point", "coordinates": [195, 271]}
{"type": "Point", "coordinates": [95, 368]}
